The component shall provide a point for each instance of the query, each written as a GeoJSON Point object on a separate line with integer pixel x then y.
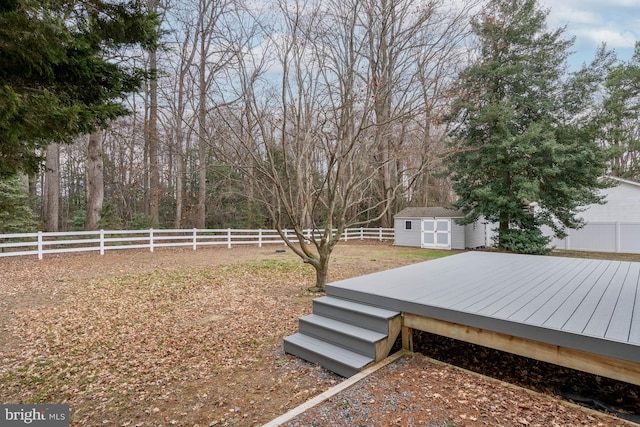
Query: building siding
{"type": "Point", "coordinates": [475, 235]}
{"type": "Point", "coordinates": [407, 237]}
{"type": "Point", "coordinates": [457, 236]}
{"type": "Point", "coordinates": [623, 204]}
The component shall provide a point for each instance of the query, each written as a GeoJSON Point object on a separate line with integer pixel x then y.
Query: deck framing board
{"type": "Point", "coordinates": [575, 359]}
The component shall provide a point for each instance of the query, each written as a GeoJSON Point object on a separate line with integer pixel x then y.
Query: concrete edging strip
{"type": "Point", "coordinates": [334, 390]}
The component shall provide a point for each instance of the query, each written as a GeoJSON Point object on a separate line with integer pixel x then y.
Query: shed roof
{"type": "Point", "coordinates": [424, 212]}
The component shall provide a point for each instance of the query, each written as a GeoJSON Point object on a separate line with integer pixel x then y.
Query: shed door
{"type": "Point", "coordinates": [436, 233]}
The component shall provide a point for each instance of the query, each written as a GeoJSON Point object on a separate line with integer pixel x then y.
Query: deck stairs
{"type": "Point", "coordinates": [344, 336]}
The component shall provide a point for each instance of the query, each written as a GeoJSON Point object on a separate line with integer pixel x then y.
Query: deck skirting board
{"type": "Point", "coordinates": [605, 366]}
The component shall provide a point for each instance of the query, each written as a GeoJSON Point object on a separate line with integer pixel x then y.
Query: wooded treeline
{"type": "Point", "coordinates": [258, 107]}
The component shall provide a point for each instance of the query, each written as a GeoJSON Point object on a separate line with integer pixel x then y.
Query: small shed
{"type": "Point", "coordinates": [436, 228]}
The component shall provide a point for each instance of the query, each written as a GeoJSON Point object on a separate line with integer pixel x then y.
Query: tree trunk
{"type": "Point", "coordinates": [322, 272]}
{"type": "Point", "coordinates": [52, 188]}
{"type": "Point", "coordinates": [503, 228]}
{"type": "Point", "coordinates": [95, 180]}
{"type": "Point", "coordinates": [154, 140]}
{"type": "Point", "coordinates": [179, 154]}
{"type": "Point", "coordinates": [382, 72]}
{"type": "Point", "coordinates": [325, 248]}
{"type": "Point", "coordinates": [179, 184]}
{"type": "Point", "coordinates": [202, 140]}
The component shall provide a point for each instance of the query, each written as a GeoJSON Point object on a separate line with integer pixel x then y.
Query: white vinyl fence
{"type": "Point", "coordinates": [42, 243]}
{"type": "Point", "coordinates": [616, 236]}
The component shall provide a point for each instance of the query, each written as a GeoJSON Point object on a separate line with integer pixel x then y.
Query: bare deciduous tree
{"type": "Point", "coordinates": [316, 142]}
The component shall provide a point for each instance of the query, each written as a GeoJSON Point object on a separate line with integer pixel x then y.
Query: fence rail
{"type": "Point", "coordinates": [42, 243]}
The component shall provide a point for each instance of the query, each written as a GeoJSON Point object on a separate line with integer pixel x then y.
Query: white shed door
{"type": "Point", "coordinates": [436, 233]}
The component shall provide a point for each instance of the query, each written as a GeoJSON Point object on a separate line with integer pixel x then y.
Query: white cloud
{"type": "Point", "coordinates": [612, 37]}
{"type": "Point", "coordinates": [593, 22]}
{"type": "Point", "coordinates": [615, 22]}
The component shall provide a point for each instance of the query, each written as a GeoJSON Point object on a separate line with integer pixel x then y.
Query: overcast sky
{"type": "Point", "coordinates": [616, 22]}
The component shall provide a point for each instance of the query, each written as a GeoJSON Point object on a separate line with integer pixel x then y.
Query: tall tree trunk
{"type": "Point", "coordinates": [202, 140]}
{"type": "Point", "coordinates": [382, 71]}
{"type": "Point", "coordinates": [95, 180]}
{"type": "Point", "coordinates": [177, 223]}
{"type": "Point", "coordinates": [154, 142]}
{"type": "Point", "coordinates": [52, 188]}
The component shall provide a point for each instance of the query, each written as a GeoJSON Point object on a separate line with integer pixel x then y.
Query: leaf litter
{"type": "Point", "coordinates": [195, 339]}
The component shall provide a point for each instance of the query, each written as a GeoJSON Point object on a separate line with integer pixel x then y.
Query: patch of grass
{"type": "Point", "coordinates": [277, 265]}
{"type": "Point", "coordinates": [596, 255]}
{"type": "Point", "coordinates": [422, 254]}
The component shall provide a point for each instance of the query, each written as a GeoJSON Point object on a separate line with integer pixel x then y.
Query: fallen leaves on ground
{"type": "Point", "coordinates": [416, 391]}
{"type": "Point", "coordinates": [178, 337]}
{"type": "Point", "coordinates": [188, 345]}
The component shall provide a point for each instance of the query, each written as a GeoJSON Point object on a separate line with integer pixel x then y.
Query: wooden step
{"type": "Point", "coordinates": [366, 316]}
{"type": "Point", "coordinates": [351, 337]}
{"type": "Point", "coordinates": [334, 358]}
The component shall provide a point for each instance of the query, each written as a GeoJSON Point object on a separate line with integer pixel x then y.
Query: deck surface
{"type": "Point", "coordinates": [582, 304]}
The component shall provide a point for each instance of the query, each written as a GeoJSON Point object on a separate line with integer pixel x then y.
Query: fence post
{"type": "Point", "coordinates": [151, 240]}
{"type": "Point", "coordinates": [260, 237]}
{"type": "Point", "coordinates": [39, 244]}
{"type": "Point", "coordinates": [380, 234]}
{"type": "Point", "coordinates": [229, 238]}
{"type": "Point", "coordinates": [101, 242]}
{"type": "Point", "coordinates": [618, 237]}
{"type": "Point", "coordinates": [345, 235]}
{"type": "Point", "coordinates": [361, 233]}
{"type": "Point", "coordinates": [195, 238]}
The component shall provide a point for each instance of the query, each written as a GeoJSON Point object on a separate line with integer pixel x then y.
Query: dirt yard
{"type": "Point", "coordinates": [194, 338]}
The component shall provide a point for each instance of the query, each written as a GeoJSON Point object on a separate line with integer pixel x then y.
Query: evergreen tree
{"type": "Point", "coordinates": [16, 215]}
{"type": "Point", "coordinates": [55, 79]}
{"type": "Point", "coordinates": [522, 135]}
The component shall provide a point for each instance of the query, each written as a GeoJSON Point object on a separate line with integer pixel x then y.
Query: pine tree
{"type": "Point", "coordinates": [521, 137]}
{"type": "Point", "coordinates": [16, 215]}
{"type": "Point", "coordinates": [55, 79]}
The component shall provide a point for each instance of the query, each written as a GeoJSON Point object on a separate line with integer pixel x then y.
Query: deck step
{"type": "Point", "coordinates": [344, 336]}
{"type": "Point", "coordinates": [337, 359]}
{"type": "Point", "coordinates": [366, 316]}
{"type": "Point", "coordinates": [349, 336]}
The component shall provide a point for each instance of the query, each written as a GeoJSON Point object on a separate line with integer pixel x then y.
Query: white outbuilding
{"type": "Point", "coordinates": [611, 227]}
{"type": "Point", "coordinates": [436, 228]}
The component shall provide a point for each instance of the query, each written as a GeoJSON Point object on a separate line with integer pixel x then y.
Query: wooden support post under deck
{"type": "Point", "coordinates": [605, 366]}
{"type": "Point", "coordinates": [407, 339]}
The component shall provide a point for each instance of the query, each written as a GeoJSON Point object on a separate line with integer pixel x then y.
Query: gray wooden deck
{"type": "Point", "coordinates": [592, 306]}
